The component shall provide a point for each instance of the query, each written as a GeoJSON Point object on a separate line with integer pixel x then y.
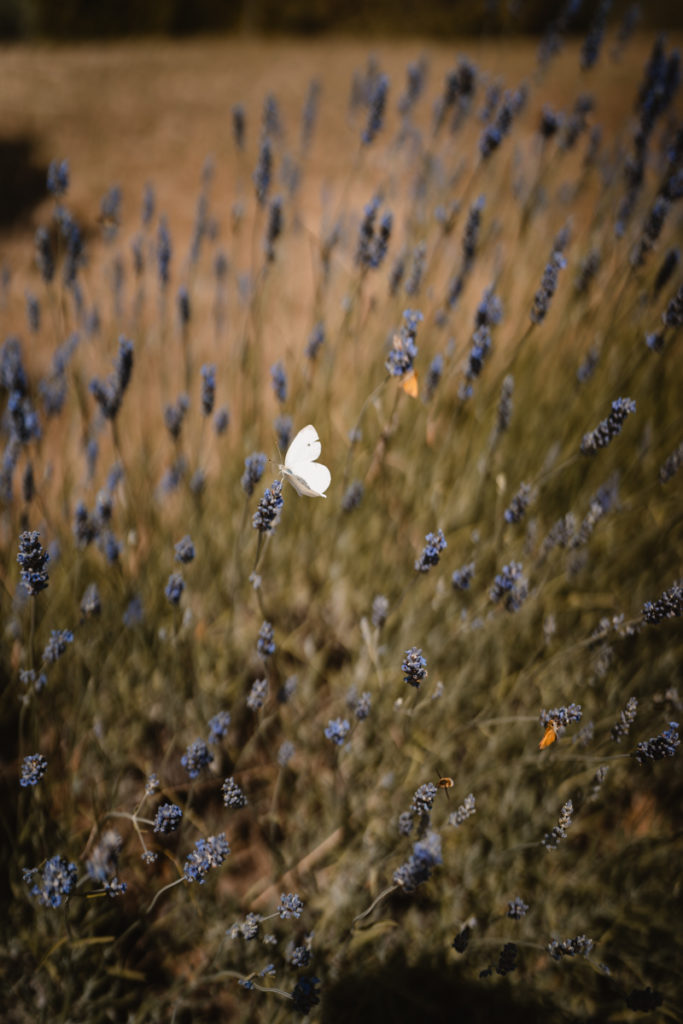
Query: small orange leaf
{"type": "Point", "coordinates": [549, 737]}
{"type": "Point", "coordinates": [409, 383]}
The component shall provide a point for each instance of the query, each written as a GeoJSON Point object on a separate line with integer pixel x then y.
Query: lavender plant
{"type": "Point", "coordinates": [151, 580]}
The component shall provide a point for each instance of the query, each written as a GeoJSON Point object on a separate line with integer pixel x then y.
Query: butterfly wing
{"type": "Point", "coordinates": [409, 383]}
{"type": "Point", "coordinates": [305, 447]}
{"type": "Point", "coordinates": [309, 478]}
{"type": "Point", "coordinates": [549, 737]}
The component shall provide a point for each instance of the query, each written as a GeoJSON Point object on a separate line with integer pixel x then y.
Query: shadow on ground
{"type": "Point", "coordinates": [425, 994]}
{"type": "Point", "coordinates": [23, 180]}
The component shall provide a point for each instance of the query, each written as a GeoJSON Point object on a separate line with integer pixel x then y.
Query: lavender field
{"type": "Point", "coordinates": [410, 747]}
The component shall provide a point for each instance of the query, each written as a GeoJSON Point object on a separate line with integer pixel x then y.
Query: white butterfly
{"type": "Point", "coordinates": [305, 474]}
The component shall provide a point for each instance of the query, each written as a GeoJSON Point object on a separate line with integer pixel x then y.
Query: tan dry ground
{"type": "Point", "coordinates": [133, 112]}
